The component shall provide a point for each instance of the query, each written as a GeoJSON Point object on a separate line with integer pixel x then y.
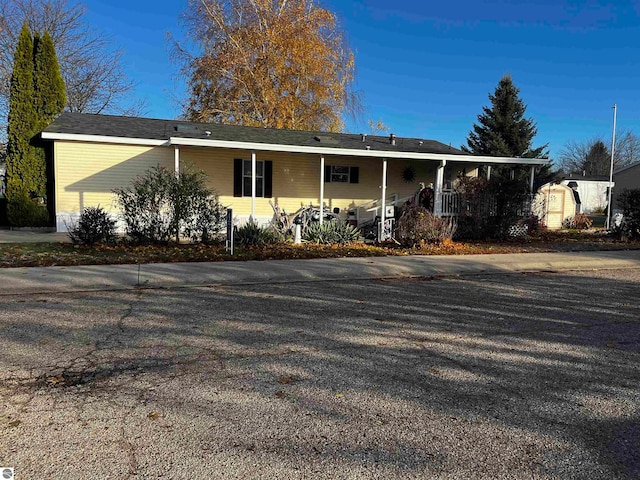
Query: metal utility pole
{"type": "Point", "coordinates": [613, 149]}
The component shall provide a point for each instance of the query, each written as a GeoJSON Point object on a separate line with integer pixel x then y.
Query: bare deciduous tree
{"type": "Point", "coordinates": [267, 63]}
{"type": "Point", "coordinates": [89, 64]}
{"type": "Point", "coordinates": [575, 157]}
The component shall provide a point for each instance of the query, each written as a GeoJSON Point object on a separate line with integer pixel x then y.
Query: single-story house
{"type": "Point", "coordinates": [592, 191]}
{"type": "Point", "coordinates": [625, 178]}
{"type": "Point", "coordinates": [250, 168]}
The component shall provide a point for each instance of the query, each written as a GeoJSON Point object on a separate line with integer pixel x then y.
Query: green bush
{"type": "Point", "coordinates": [23, 211]}
{"type": "Point", "coordinates": [253, 235]}
{"type": "Point", "coordinates": [332, 233]}
{"type": "Point", "coordinates": [418, 226]}
{"type": "Point", "coordinates": [93, 226]}
{"type": "Point", "coordinates": [490, 208]}
{"type": "Point", "coordinates": [159, 206]}
{"type": "Point", "coordinates": [629, 202]}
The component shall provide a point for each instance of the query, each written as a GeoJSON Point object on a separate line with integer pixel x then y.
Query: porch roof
{"type": "Point", "coordinates": [156, 132]}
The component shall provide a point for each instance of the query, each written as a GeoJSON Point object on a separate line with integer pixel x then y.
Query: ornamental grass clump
{"type": "Point", "coordinates": [417, 226]}
{"type": "Point", "coordinates": [253, 235]}
{"type": "Point", "coordinates": [578, 222]}
{"type": "Point", "coordinates": [332, 233]}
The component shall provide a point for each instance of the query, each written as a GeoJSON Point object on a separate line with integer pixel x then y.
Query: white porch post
{"type": "Point", "coordinates": [532, 177]}
{"type": "Point", "coordinates": [253, 186]}
{"type": "Point", "coordinates": [321, 189]}
{"type": "Point", "coordinates": [437, 204]}
{"type": "Point", "coordinates": [176, 160]}
{"type": "Point", "coordinates": [384, 194]}
{"type": "Point", "coordinates": [488, 172]}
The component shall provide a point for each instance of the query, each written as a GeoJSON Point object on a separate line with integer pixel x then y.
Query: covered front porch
{"type": "Point", "coordinates": [387, 180]}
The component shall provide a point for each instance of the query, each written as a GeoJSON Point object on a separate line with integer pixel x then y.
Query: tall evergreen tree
{"type": "Point", "coordinates": [22, 168]}
{"type": "Point", "coordinates": [598, 160]}
{"type": "Point", "coordinates": [50, 94]}
{"type": "Point", "coordinates": [502, 129]}
{"type": "Point", "coordinates": [37, 96]}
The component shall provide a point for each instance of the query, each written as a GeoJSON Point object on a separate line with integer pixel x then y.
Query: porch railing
{"type": "Point", "coordinates": [452, 205]}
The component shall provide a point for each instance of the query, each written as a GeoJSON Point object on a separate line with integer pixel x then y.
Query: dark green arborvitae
{"type": "Point", "coordinates": [24, 175]}
{"type": "Point", "coordinates": [502, 129]}
{"type": "Point", "coordinates": [37, 95]}
{"type": "Point", "coordinates": [50, 96]}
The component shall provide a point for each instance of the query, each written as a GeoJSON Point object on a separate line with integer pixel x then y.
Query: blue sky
{"type": "Point", "coordinates": [425, 68]}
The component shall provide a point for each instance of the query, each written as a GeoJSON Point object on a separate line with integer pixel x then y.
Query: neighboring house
{"type": "Point", "coordinates": [554, 203]}
{"type": "Point", "coordinates": [93, 154]}
{"type": "Point", "coordinates": [592, 191]}
{"type": "Point", "coordinates": [625, 178]}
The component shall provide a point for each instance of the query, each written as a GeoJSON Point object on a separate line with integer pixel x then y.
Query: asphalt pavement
{"type": "Point", "coordinates": [483, 367]}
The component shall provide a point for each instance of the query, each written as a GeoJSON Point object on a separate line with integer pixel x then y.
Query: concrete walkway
{"type": "Point", "coordinates": [118, 277]}
{"type": "Point", "coordinates": [20, 236]}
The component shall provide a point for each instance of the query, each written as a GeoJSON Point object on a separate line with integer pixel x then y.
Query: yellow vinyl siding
{"type": "Point", "coordinates": [87, 173]}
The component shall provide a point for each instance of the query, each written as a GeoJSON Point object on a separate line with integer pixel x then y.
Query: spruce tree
{"type": "Point", "coordinates": [502, 129]}
{"type": "Point", "coordinates": [598, 160]}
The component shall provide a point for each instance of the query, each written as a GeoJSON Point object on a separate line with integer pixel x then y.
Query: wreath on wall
{"type": "Point", "coordinates": [409, 174]}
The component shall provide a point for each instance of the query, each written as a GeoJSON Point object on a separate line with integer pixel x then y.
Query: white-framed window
{"type": "Point", "coordinates": [242, 178]}
{"type": "Point", "coordinates": [341, 174]}
{"type": "Point", "coordinates": [246, 178]}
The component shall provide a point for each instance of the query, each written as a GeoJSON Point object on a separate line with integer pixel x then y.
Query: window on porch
{"type": "Point", "coordinates": [242, 178]}
{"type": "Point", "coordinates": [341, 174]}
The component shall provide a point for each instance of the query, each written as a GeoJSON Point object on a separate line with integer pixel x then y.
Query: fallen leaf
{"type": "Point", "coordinates": [435, 371]}
{"type": "Point", "coordinates": [285, 380]}
{"type": "Point", "coordinates": [339, 395]}
{"type": "Point", "coordinates": [14, 424]}
{"type": "Point", "coordinates": [55, 380]}
{"type": "Point", "coordinates": [153, 415]}
{"type": "Point", "coordinates": [280, 394]}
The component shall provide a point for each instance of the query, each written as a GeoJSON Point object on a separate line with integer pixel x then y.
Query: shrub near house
{"type": "Point", "coordinates": [629, 202]}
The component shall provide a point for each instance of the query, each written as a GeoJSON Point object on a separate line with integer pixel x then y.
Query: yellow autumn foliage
{"type": "Point", "coordinates": [267, 63]}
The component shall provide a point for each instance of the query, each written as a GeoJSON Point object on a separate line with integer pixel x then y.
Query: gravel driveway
{"type": "Point", "coordinates": [523, 376]}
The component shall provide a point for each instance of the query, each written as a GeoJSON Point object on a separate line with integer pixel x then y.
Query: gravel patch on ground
{"type": "Point", "coordinates": [524, 376]}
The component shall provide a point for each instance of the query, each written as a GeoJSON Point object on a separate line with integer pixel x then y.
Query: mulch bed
{"type": "Point", "coordinates": [50, 254]}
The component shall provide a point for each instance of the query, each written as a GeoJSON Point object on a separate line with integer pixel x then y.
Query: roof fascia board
{"type": "Point", "coordinates": [195, 142]}
{"type": "Point", "coordinates": [74, 137]}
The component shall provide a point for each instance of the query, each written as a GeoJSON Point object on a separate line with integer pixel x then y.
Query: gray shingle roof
{"type": "Point", "coordinates": [154, 129]}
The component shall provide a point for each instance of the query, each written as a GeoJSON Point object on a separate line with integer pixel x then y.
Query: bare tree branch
{"type": "Point", "coordinates": [89, 64]}
{"type": "Point", "coordinates": [576, 157]}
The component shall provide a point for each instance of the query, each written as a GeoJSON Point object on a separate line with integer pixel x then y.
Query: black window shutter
{"type": "Point", "coordinates": [268, 179]}
{"type": "Point", "coordinates": [327, 173]}
{"type": "Point", "coordinates": [354, 174]}
{"type": "Point", "coordinates": [237, 177]}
